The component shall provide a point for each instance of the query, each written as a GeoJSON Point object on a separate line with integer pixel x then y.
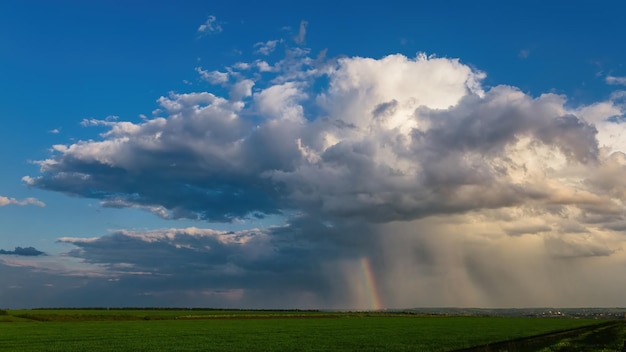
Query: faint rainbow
{"type": "Point", "coordinates": [370, 283]}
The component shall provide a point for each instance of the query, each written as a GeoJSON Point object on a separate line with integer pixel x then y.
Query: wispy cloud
{"type": "Point", "coordinates": [523, 54]}
{"type": "Point", "coordinates": [4, 201]}
{"type": "Point", "coordinates": [211, 25]}
{"type": "Point", "coordinates": [615, 80]}
{"type": "Point", "coordinates": [266, 48]}
{"type": "Point", "coordinates": [301, 36]}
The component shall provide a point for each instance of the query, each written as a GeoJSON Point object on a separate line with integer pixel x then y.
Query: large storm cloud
{"type": "Point", "coordinates": [455, 193]}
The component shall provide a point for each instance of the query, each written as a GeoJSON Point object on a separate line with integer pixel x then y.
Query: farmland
{"type": "Point", "coordinates": [225, 330]}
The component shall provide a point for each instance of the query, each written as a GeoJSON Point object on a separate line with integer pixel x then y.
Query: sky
{"type": "Point", "coordinates": [312, 155]}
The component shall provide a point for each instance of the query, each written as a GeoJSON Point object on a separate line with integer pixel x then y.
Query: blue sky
{"type": "Point", "coordinates": [221, 152]}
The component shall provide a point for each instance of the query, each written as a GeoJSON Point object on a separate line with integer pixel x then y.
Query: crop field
{"type": "Point", "coordinates": [217, 330]}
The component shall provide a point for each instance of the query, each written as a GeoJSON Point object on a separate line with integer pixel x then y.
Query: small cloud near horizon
{"type": "Point", "coordinates": [23, 251]}
{"type": "Point", "coordinates": [4, 201]}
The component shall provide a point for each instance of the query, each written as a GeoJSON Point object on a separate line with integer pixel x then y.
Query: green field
{"type": "Point", "coordinates": [217, 330]}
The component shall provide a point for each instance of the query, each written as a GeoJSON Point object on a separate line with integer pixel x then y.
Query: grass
{"type": "Point", "coordinates": [210, 330]}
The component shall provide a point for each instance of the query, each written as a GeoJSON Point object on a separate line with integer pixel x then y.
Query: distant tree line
{"type": "Point", "coordinates": [178, 308]}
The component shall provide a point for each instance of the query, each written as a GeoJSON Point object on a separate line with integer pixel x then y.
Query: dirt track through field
{"type": "Point", "coordinates": [530, 344]}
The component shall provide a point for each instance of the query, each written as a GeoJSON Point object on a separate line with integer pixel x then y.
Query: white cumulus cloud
{"type": "Point", "coordinates": [456, 193]}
